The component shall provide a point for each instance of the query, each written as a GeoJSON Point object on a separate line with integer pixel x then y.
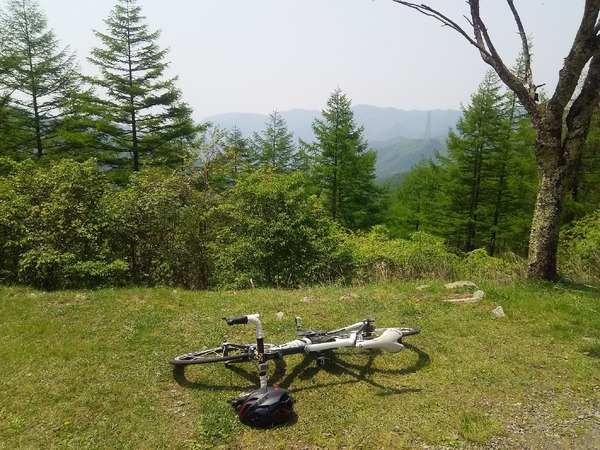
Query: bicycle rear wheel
{"type": "Point", "coordinates": [228, 352]}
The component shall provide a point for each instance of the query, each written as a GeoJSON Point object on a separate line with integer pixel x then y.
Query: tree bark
{"type": "Point", "coordinates": [545, 226]}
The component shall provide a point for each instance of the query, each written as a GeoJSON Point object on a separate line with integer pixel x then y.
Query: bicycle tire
{"type": "Point", "coordinates": [229, 353]}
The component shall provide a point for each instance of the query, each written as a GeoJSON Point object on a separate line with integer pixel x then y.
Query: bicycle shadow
{"type": "Point", "coordinates": [337, 366]}
{"type": "Point", "coordinates": [307, 368]}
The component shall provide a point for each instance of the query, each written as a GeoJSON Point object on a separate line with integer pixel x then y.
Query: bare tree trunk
{"type": "Point", "coordinates": [545, 226]}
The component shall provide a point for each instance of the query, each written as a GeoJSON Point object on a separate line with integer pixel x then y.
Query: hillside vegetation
{"type": "Point", "coordinates": [85, 369]}
{"type": "Point", "coordinates": [106, 180]}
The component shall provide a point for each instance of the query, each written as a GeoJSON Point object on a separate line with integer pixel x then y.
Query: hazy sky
{"type": "Point", "coordinates": [265, 55]}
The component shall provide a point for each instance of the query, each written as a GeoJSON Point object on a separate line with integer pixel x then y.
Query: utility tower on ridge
{"type": "Point", "coordinates": [427, 136]}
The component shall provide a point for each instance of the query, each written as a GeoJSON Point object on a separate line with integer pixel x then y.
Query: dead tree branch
{"type": "Point", "coordinates": [483, 42]}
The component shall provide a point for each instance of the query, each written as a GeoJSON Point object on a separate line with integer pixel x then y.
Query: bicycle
{"type": "Point", "coordinates": [267, 405]}
{"type": "Point", "coordinates": [361, 335]}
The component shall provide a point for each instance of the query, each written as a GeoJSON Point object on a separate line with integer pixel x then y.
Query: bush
{"type": "Point", "coordinates": [53, 226]}
{"type": "Point", "coordinates": [379, 258]}
{"type": "Point", "coordinates": [481, 266]}
{"type": "Point", "coordinates": [579, 250]}
{"type": "Point", "coordinates": [161, 229]}
{"type": "Point", "coordinates": [276, 234]}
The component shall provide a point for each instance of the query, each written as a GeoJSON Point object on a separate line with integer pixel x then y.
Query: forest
{"type": "Point", "coordinates": [106, 180]}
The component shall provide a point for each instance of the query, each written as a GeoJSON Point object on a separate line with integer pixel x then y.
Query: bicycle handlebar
{"type": "Point", "coordinates": [260, 346]}
{"type": "Point", "coordinates": [236, 320]}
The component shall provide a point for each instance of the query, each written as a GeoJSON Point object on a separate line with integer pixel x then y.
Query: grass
{"type": "Point", "coordinates": [89, 369]}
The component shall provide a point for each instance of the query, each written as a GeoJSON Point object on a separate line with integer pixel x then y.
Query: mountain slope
{"type": "Point", "coordinates": [400, 138]}
{"type": "Point", "coordinates": [400, 154]}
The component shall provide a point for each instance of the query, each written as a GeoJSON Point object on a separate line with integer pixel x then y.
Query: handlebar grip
{"type": "Point", "coordinates": [236, 320]}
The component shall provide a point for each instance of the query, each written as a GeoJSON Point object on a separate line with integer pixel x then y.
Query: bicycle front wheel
{"type": "Point", "coordinates": [227, 352]}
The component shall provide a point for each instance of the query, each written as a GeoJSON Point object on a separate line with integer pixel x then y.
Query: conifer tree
{"type": "Point", "coordinates": [343, 167]}
{"type": "Point", "coordinates": [142, 113]}
{"type": "Point", "coordinates": [10, 119]}
{"type": "Point", "coordinates": [237, 152]}
{"type": "Point", "coordinates": [489, 174]}
{"type": "Point", "coordinates": [512, 178]}
{"type": "Point", "coordinates": [38, 74]}
{"type": "Point", "coordinates": [469, 164]}
{"type": "Point", "coordinates": [274, 147]}
{"type": "Point", "coordinates": [416, 203]}
{"type": "Point", "coordinates": [584, 192]}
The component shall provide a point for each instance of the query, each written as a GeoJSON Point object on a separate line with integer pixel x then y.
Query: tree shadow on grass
{"type": "Point", "coordinates": [308, 368]}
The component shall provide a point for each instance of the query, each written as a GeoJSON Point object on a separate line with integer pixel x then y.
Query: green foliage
{"type": "Point", "coordinates": [481, 195]}
{"type": "Point", "coordinates": [414, 205]}
{"type": "Point", "coordinates": [161, 229]}
{"type": "Point", "coordinates": [479, 265]}
{"type": "Point", "coordinates": [13, 141]}
{"type": "Point", "coordinates": [379, 258]}
{"type": "Point", "coordinates": [343, 168]}
{"type": "Point", "coordinates": [54, 228]}
{"type": "Point", "coordinates": [579, 250]}
{"type": "Point", "coordinates": [276, 234]}
{"type": "Point", "coordinates": [274, 147]}
{"type": "Point", "coordinates": [143, 118]}
{"type": "Point", "coordinates": [38, 75]}
{"type": "Point", "coordinates": [237, 153]}
{"type": "Point", "coordinates": [63, 226]}
{"type": "Point", "coordinates": [584, 192]}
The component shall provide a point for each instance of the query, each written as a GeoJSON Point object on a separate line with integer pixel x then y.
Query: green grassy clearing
{"type": "Point", "coordinates": [89, 369]}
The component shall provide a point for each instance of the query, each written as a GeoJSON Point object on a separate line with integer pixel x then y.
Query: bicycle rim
{"type": "Point", "coordinates": [224, 353]}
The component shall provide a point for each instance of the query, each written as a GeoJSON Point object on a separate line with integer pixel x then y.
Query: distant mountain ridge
{"type": "Point", "coordinates": [400, 138]}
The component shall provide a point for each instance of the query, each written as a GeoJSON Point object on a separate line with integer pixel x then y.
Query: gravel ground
{"type": "Point", "coordinates": [545, 422]}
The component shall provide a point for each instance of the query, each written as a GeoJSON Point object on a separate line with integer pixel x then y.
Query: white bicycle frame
{"type": "Point", "coordinates": [388, 340]}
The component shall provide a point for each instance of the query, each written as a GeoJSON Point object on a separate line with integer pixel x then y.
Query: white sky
{"type": "Point", "coordinates": [265, 55]}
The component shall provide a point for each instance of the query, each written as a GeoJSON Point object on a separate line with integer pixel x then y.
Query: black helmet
{"type": "Point", "coordinates": [266, 407]}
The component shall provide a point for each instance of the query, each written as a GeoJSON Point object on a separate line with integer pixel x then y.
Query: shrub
{"type": "Point", "coordinates": [276, 234]}
{"type": "Point", "coordinates": [579, 250]}
{"type": "Point", "coordinates": [53, 225]}
{"type": "Point", "coordinates": [481, 266]}
{"type": "Point", "coordinates": [379, 258]}
{"type": "Point", "coordinates": [161, 229]}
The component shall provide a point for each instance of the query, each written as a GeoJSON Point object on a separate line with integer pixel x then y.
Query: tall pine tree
{"type": "Point", "coordinates": [489, 174]}
{"type": "Point", "coordinates": [237, 153]}
{"type": "Point", "coordinates": [415, 204]}
{"type": "Point", "coordinates": [142, 113]}
{"type": "Point", "coordinates": [274, 147]}
{"type": "Point", "coordinates": [343, 167]}
{"type": "Point", "coordinates": [39, 76]}
{"type": "Point", "coordinates": [584, 192]}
